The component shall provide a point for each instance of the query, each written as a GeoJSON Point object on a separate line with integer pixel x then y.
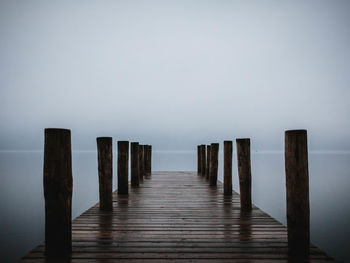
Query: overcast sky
{"type": "Point", "coordinates": [175, 73]}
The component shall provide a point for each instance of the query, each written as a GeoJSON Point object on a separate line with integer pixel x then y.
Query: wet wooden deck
{"type": "Point", "coordinates": [177, 217]}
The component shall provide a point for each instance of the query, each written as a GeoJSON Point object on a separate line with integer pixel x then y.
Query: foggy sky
{"type": "Point", "coordinates": [175, 73]}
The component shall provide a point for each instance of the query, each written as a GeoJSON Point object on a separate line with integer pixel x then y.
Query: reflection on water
{"type": "Point", "coordinates": [22, 200]}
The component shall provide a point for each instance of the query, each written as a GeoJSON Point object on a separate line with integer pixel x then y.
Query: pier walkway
{"type": "Point", "coordinates": [176, 217]}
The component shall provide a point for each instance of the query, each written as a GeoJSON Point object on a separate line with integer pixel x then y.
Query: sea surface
{"type": "Point", "coordinates": [22, 199]}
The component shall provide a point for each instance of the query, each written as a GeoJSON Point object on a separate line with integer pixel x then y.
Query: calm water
{"type": "Point", "coordinates": [22, 202]}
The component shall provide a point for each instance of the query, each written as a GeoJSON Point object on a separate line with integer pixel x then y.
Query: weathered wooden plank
{"type": "Point", "coordinates": [154, 260]}
{"type": "Point", "coordinates": [177, 217]}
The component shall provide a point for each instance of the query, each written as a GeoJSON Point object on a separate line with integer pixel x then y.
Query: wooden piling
{"type": "Point", "coordinates": [199, 165]}
{"type": "Point", "coordinates": [207, 163]}
{"type": "Point", "coordinates": [145, 161]}
{"type": "Point", "coordinates": [244, 173]}
{"type": "Point", "coordinates": [150, 159]}
{"type": "Point", "coordinates": [141, 163]}
{"type": "Point", "coordinates": [213, 167]}
{"type": "Point", "coordinates": [105, 172]}
{"type": "Point", "coordinates": [135, 168]}
{"type": "Point", "coordinates": [227, 167]}
{"type": "Point", "coordinates": [146, 155]}
{"type": "Point", "coordinates": [58, 186]}
{"type": "Point", "coordinates": [297, 190]}
{"type": "Point", "coordinates": [123, 166]}
{"type": "Point", "coordinates": [203, 159]}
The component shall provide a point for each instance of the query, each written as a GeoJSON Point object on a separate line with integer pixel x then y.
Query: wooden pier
{"type": "Point", "coordinates": [176, 217]}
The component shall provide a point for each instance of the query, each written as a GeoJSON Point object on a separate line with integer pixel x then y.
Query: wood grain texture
{"type": "Point", "coordinates": [177, 217]}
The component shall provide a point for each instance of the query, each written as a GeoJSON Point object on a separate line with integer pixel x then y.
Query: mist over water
{"type": "Point", "coordinates": [22, 198]}
{"type": "Point", "coordinates": [174, 74]}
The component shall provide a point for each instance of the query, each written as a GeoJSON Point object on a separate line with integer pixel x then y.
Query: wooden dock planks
{"type": "Point", "coordinates": [176, 217]}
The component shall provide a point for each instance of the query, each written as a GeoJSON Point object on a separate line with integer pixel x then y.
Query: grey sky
{"type": "Point", "coordinates": [175, 73]}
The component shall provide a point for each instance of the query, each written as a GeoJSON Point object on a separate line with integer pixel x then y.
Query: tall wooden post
{"type": "Point", "coordinates": [105, 172]}
{"type": "Point", "coordinates": [123, 166]}
{"type": "Point", "coordinates": [297, 184]}
{"type": "Point", "coordinates": [207, 163]}
{"type": "Point", "coordinates": [146, 155]}
{"type": "Point", "coordinates": [213, 167]}
{"type": "Point", "coordinates": [203, 160]}
{"type": "Point", "coordinates": [199, 165]}
{"type": "Point", "coordinates": [227, 167]}
{"type": "Point", "coordinates": [58, 186]}
{"type": "Point", "coordinates": [145, 161]}
{"type": "Point", "coordinates": [135, 168]}
{"type": "Point", "coordinates": [150, 159]}
{"type": "Point", "coordinates": [141, 163]}
{"type": "Point", "coordinates": [244, 173]}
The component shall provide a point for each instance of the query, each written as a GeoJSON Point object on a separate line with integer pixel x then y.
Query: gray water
{"type": "Point", "coordinates": [22, 202]}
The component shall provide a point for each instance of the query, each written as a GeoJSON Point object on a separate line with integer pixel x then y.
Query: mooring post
{"type": "Point", "coordinates": [199, 165]}
{"type": "Point", "coordinates": [207, 163]}
{"type": "Point", "coordinates": [150, 159]}
{"type": "Point", "coordinates": [244, 173]}
{"type": "Point", "coordinates": [203, 159]}
{"type": "Point", "coordinates": [123, 166]}
{"type": "Point", "coordinates": [135, 168]}
{"type": "Point", "coordinates": [227, 167]}
{"type": "Point", "coordinates": [58, 186]}
{"type": "Point", "coordinates": [213, 167]}
{"type": "Point", "coordinates": [141, 163]}
{"type": "Point", "coordinates": [146, 159]}
{"type": "Point", "coordinates": [105, 172]}
{"type": "Point", "coordinates": [297, 189]}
